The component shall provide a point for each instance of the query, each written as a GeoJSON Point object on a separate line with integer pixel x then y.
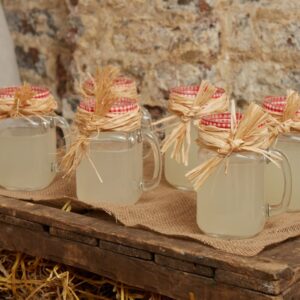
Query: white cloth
{"type": "Point", "coordinates": [9, 74]}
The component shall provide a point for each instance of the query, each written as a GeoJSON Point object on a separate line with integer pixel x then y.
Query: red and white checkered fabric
{"type": "Point", "coordinates": [121, 81]}
{"type": "Point", "coordinates": [275, 104]}
{"type": "Point", "coordinates": [121, 106]}
{"type": "Point", "coordinates": [9, 92]}
{"type": "Point", "coordinates": [220, 120]}
{"type": "Point", "coordinates": [192, 91]}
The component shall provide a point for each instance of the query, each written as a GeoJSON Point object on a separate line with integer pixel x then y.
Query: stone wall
{"type": "Point", "coordinates": [250, 47]}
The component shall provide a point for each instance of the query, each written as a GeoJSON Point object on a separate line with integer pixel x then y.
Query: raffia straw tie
{"type": "Point", "coordinates": [104, 112]}
{"type": "Point", "coordinates": [286, 120]}
{"type": "Point", "coordinates": [247, 135]}
{"type": "Point", "coordinates": [23, 104]}
{"type": "Point", "coordinates": [87, 124]}
{"type": "Point", "coordinates": [187, 109]}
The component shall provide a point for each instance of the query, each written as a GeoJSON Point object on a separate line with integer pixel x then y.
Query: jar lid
{"type": "Point", "coordinates": [275, 104]}
{"type": "Point", "coordinates": [122, 105]}
{"type": "Point", "coordinates": [192, 91]}
{"type": "Point", "coordinates": [222, 120]}
{"type": "Point", "coordinates": [121, 81]}
{"type": "Point", "coordinates": [39, 92]}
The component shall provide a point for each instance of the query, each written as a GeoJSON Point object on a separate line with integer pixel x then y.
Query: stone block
{"type": "Point", "coordinates": [279, 35]}
{"type": "Point", "coordinates": [252, 80]}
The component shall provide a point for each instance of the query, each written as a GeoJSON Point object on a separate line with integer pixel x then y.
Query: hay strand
{"type": "Point", "coordinates": [30, 278]}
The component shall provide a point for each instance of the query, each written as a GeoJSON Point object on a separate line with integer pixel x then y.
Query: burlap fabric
{"type": "Point", "coordinates": [171, 212]}
{"type": "Point", "coordinates": [57, 190]}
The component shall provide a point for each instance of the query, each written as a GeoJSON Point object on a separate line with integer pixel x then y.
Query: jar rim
{"type": "Point", "coordinates": [9, 92]}
{"type": "Point", "coordinates": [121, 106]}
{"type": "Point", "coordinates": [192, 90]}
{"type": "Point", "coordinates": [221, 120]}
{"type": "Point", "coordinates": [275, 104]}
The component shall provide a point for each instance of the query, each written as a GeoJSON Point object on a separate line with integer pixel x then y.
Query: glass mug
{"type": "Point", "coordinates": [118, 159]}
{"type": "Point", "coordinates": [175, 172]}
{"type": "Point", "coordinates": [232, 204]}
{"type": "Point", "coordinates": [289, 144]}
{"type": "Point", "coordinates": [28, 159]}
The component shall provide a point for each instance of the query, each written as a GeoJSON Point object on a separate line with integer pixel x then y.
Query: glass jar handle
{"type": "Point", "coordinates": [146, 126]}
{"type": "Point", "coordinates": [150, 138]}
{"type": "Point", "coordinates": [287, 186]}
{"type": "Point", "coordinates": [64, 126]}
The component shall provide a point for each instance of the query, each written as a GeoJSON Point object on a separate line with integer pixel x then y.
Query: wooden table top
{"type": "Point", "coordinates": [173, 267]}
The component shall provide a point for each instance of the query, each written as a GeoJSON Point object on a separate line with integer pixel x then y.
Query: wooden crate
{"type": "Point", "coordinates": [169, 266]}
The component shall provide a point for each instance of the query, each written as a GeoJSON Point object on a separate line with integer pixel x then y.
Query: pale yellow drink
{"type": "Point", "coordinates": [232, 205]}
{"type": "Point", "coordinates": [175, 172]}
{"type": "Point", "coordinates": [290, 146]}
{"type": "Point", "coordinates": [27, 158]}
{"type": "Point", "coordinates": [121, 168]}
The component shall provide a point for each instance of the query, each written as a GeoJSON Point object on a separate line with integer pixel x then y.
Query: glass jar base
{"type": "Point", "coordinates": [26, 189]}
{"type": "Point", "coordinates": [293, 210]}
{"type": "Point", "coordinates": [16, 189]}
{"type": "Point", "coordinates": [181, 188]}
{"type": "Point", "coordinates": [230, 237]}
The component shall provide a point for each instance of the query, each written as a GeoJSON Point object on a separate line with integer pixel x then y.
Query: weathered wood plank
{"type": "Point", "coordinates": [266, 268]}
{"type": "Point", "coordinates": [292, 293]}
{"type": "Point", "coordinates": [69, 235]}
{"type": "Point", "coordinates": [264, 286]}
{"type": "Point", "coordinates": [129, 251]}
{"type": "Point", "coordinates": [185, 266]}
{"type": "Point", "coordinates": [21, 223]}
{"type": "Point", "coordinates": [288, 253]}
{"type": "Point", "coordinates": [129, 270]}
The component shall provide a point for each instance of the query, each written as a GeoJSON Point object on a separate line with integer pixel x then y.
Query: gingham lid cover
{"type": "Point", "coordinates": [275, 104]}
{"type": "Point", "coordinates": [9, 92]}
{"type": "Point", "coordinates": [122, 105]}
{"type": "Point", "coordinates": [121, 81]}
{"type": "Point", "coordinates": [222, 120]}
{"type": "Point", "coordinates": [192, 91]}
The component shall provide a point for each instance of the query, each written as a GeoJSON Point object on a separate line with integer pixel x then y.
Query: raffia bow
{"type": "Point", "coordinates": [24, 104]}
{"type": "Point", "coordinates": [101, 119]}
{"type": "Point", "coordinates": [188, 109]}
{"type": "Point", "coordinates": [289, 120]}
{"type": "Point", "coordinates": [246, 135]}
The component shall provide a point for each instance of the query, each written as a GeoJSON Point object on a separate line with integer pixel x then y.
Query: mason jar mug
{"type": "Point", "coordinates": [174, 171]}
{"type": "Point", "coordinates": [289, 144]}
{"type": "Point", "coordinates": [231, 202]}
{"type": "Point", "coordinates": [28, 147]}
{"type": "Point", "coordinates": [117, 159]}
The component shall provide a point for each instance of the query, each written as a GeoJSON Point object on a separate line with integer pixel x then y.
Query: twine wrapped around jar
{"type": "Point", "coordinates": [233, 133]}
{"type": "Point", "coordinates": [286, 112]}
{"type": "Point", "coordinates": [26, 101]}
{"type": "Point", "coordinates": [105, 112]}
{"type": "Point", "coordinates": [189, 109]}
